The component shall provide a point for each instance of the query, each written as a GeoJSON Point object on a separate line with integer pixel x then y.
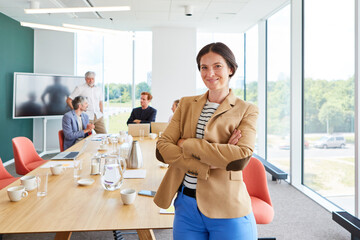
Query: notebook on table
{"type": "Point", "coordinates": [65, 155]}
{"type": "Point", "coordinates": [134, 129]}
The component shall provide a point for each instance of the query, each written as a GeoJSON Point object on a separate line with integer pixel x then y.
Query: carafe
{"type": "Point", "coordinates": [112, 174]}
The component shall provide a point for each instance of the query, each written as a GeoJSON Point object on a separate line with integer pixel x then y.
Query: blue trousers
{"type": "Point", "coordinates": [191, 224]}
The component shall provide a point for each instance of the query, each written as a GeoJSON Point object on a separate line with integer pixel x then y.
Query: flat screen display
{"type": "Point", "coordinates": [42, 95]}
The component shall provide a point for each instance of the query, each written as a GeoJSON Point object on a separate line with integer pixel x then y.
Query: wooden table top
{"type": "Point", "coordinates": [69, 207]}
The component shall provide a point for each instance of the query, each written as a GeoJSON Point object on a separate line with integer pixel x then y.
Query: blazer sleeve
{"type": "Point", "coordinates": [167, 150]}
{"type": "Point", "coordinates": [69, 132]}
{"type": "Point", "coordinates": [227, 156]}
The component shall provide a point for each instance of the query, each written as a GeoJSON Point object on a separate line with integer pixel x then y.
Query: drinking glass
{"type": "Point", "coordinates": [77, 168]}
{"type": "Point", "coordinates": [114, 142]}
{"type": "Point", "coordinates": [141, 134]}
{"type": "Point", "coordinates": [42, 182]}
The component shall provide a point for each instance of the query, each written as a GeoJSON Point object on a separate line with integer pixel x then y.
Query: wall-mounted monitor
{"type": "Point", "coordinates": [42, 95]}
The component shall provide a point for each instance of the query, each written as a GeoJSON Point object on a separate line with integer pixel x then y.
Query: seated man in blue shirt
{"type": "Point", "coordinates": [145, 113]}
{"type": "Point", "coordinates": [75, 123]}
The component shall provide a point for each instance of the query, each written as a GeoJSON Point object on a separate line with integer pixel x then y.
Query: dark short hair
{"type": "Point", "coordinates": [222, 50]}
{"type": "Point", "coordinates": [77, 101]}
{"type": "Point", "coordinates": [149, 96]}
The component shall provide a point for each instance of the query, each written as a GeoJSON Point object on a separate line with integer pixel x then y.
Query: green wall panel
{"type": "Point", "coordinates": [16, 55]}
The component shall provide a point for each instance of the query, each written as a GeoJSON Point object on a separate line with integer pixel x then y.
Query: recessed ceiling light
{"type": "Point", "coordinates": [79, 9]}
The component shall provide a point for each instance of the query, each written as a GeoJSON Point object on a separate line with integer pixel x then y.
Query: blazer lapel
{"type": "Point", "coordinates": [196, 108]}
{"type": "Point", "coordinates": [83, 121]}
{"type": "Point", "coordinates": [75, 120]}
{"type": "Point", "coordinates": [225, 106]}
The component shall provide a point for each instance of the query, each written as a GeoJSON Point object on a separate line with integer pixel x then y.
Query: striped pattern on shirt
{"type": "Point", "coordinates": [190, 181]}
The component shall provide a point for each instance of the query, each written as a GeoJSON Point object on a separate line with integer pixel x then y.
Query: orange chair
{"type": "Point", "coordinates": [25, 155]}
{"type": "Point", "coordinates": [5, 177]}
{"type": "Point", "coordinates": [61, 140]}
{"type": "Point", "coordinates": [256, 183]}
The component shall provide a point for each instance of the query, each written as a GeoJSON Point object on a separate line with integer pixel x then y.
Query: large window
{"type": "Point", "coordinates": [235, 42]}
{"type": "Point", "coordinates": [329, 100]}
{"type": "Point", "coordinates": [251, 70]}
{"type": "Point", "coordinates": [122, 63]}
{"type": "Point", "coordinates": [251, 64]}
{"type": "Point", "coordinates": [278, 89]}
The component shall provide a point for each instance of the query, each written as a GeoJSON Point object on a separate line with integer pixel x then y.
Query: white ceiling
{"type": "Point", "coordinates": [208, 15]}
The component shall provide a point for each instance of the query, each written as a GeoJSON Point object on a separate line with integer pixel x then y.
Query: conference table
{"type": "Point", "coordinates": [69, 207]}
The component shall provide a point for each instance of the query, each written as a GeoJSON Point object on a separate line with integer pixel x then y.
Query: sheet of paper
{"type": "Point", "coordinates": [136, 173]}
{"type": "Point", "coordinates": [170, 210]}
{"type": "Point", "coordinates": [65, 164]}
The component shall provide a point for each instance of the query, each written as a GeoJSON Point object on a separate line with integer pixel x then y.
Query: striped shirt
{"type": "Point", "coordinates": [190, 181]}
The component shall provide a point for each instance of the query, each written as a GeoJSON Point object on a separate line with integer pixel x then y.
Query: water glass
{"type": "Point", "coordinates": [141, 134]}
{"type": "Point", "coordinates": [95, 165]}
{"type": "Point", "coordinates": [77, 168]}
{"type": "Point", "coordinates": [114, 142]}
{"type": "Point", "coordinates": [42, 182]}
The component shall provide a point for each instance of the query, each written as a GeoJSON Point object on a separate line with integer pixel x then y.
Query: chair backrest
{"type": "Point", "coordinates": [254, 175]}
{"type": "Point", "coordinates": [61, 140]}
{"type": "Point", "coordinates": [157, 127]}
{"type": "Point", "coordinates": [24, 153]}
{"type": "Point", "coordinates": [3, 172]}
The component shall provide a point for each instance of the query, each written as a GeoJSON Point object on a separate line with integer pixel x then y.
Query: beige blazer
{"type": "Point", "coordinates": [220, 193]}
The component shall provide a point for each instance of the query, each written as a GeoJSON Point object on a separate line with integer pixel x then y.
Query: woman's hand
{"type": "Point", "coordinates": [235, 136]}
{"type": "Point", "coordinates": [180, 142]}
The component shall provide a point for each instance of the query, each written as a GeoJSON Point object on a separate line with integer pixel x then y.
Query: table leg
{"type": "Point", "coordinates": [146, 234]}
{"type": "Point", "coordinates": [63, 236]}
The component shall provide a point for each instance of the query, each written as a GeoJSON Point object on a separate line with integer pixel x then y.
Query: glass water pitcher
{"type": "Point", "coordinates": [112, 174]}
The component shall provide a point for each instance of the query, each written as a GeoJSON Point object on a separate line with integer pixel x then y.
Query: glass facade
{"type": "Point", "coordinates": [123, 62]}
{"type": "Point", "coordinates": [278, 89]}
{"type": "Point", "coordinates": [329, 100]}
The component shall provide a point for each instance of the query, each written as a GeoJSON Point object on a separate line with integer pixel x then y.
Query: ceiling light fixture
{"type": "Point", "coordinates": [48, 27]}
{"type": "Point", "coordinates": [93, 29]}
{"type": "Point", "coordinates": [79, 9]}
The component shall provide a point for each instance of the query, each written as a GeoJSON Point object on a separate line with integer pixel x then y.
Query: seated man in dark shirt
{"type": "Point", "coordinates": [145, 113]}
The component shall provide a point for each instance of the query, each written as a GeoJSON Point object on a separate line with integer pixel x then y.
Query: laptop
{"type": "Point", "coordinates": [133, 129]}
{"type": "Point", "coordinates": [157, 127]}
{"type": "Point", "coordinates": [65, 156]}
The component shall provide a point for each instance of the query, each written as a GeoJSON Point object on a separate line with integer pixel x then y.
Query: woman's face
{"type": "Point", "coordinates": [214, 71]}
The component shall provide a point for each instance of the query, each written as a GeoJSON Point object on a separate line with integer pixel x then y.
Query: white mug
{"type": "Point", "coordinates": [29, 182]}
{"type": "Point", "coordinates": [128, 196]}
{"type": "Point", "coordinates": [56, 169]}
{"type": "Point", "coordinates": [17, 193]}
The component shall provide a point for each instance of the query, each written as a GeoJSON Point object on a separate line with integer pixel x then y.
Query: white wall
{"type": "Point", "coordinates": [173, 68]}
{"type": "Point", "coordinates": [54, 53]}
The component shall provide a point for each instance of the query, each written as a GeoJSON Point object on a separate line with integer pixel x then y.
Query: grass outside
{"type": "Point", "coordinates": [117, 122]}
{"type": "Point", "coordinates": [328, 177]}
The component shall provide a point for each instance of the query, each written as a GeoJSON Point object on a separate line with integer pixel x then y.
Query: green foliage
{"type": "Point", "coordinates": [141, 87]}
{"type": "Point", "coordinates": [118, 92]}
{"type": "Point", "coordinates": [328, 105]}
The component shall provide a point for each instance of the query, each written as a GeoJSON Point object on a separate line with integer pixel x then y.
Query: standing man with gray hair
{"type": "Point", "coordinates": [94, 97]}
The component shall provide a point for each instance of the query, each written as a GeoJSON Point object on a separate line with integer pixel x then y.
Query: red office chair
{"type": "Point", "coordinates": [25, 155]}
{"type": "Point", "coordinates": [61, 140]}
{"type": "Point", "coordinates": [5, 177]}
{"type": "Point", "coordinates": [256, 183]}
